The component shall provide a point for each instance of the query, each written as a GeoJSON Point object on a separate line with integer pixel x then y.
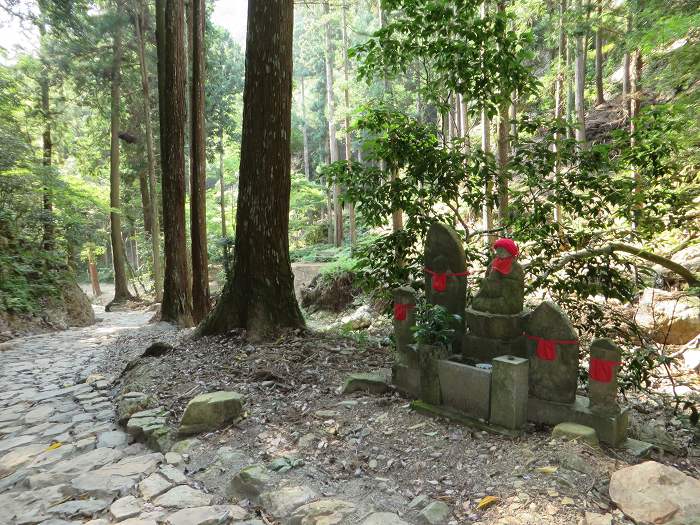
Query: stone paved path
{"type": "Point", "coordinates": [63, 459]}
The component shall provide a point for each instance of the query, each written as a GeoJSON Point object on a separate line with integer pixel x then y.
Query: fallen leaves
{"type": "Point", "coordinates": [487, 501]}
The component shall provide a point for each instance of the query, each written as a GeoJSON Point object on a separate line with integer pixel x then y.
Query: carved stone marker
{"type": "Point", "coordinates": [445, 274]}
{"type": "Point", "coordinates": [502, 291]}
{"type": "Point", "coordinates": [602, 376]}
{"type": "Point", "coordinates": [404, 321]}
{"type": "Point", "coordinates": [552, 347]}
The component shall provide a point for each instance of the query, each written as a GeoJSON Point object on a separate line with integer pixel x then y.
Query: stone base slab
{"type": "Point", "coordinates": [458, 417]}
{"type": "Point", "coordinates": [485, 349]}
{"type": "Point", "coordinates": [611, 429]}
{"type": "Point", "coordinates": [406, 379]}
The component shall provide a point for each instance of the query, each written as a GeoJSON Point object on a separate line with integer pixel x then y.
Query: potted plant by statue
{"type": "Point", "coordinates": [434, 333]}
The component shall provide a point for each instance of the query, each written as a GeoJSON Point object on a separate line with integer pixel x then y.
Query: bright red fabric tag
{"type": "Point", "coordinates": [401, 311]}
{"type": "Point", "coordinates": [439, 282]}
{"type": "Point", "coordinates": [601, 370]}
{"type": "Point", "coordinates": [547, 348]}
{"type": "Point", "coordinates": [503, 266]}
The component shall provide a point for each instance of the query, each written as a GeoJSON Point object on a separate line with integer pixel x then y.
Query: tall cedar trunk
{"type": "Point", "coordinates": [305, 132]}
{"type": "Point", "coordinates": [559, 97]}
{"type": "Point", "coordinates": [503, 151]}
{"type": "Point", "coordinates": [333, 143]}
{"type": "Point", "coordinates": [570, 98]}
{"type": "Point", "coordinates": [121, 289]}
{"type": "Point", "coordinates": [221, 182]}
{"type": "Point", "coordinates": [260, 295]}
{"type": "Point", "coordinates": [198, 169]}
{"type": "Point", "coordinates": [487, 210]}
{"type": "Point", "coordinates": [626, 89]}
{"type": "Point", "coordinates": [600, 96]}
{"type": "Point", "coordinates": [176, 306]}
{"type": "Point", "coordinates": [580, 80]}
{"type": "Point", "coordinates": [635, 104]}
{"type": "Point", "coordinates": [47, 240]}
{"type": "Point", "coordinates": [348, 136]}
{"type": "Point", "coordinates": [154, 220]}
{"type": "Point", "coordinates": [145, 200]}
{"type": "Point", "coordinates": [464, 125]}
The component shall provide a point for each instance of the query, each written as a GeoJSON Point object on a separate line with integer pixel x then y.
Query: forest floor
{"type": "Point", "coordinates": [373, 450]}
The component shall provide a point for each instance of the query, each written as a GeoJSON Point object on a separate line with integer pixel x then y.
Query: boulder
{"type": "Point", "coordinates": [182, 497]}
{"type": "Point", "coordinates": [436, 513]}
{"type": "Point", "coordinates": [250, 482]}
{"type": "Point", "coordinates": [358, 320]}
{"type": "Point", "coordinates": [322, 512]}
{"type": "Point", "coordinates": [210, 515]}
{"type": "Point", "coordinates": [211, 411]}
{"type": "Point", "coordinates": [384, 518]}
{"type": "Point", "coordinates": [670, 317]}
{"type": "Point", "coordinates": [283, 501]}
{"type": "Point", "coordinates": [654, 493]}
{"type": "Point", "coordinates": [372, 383]}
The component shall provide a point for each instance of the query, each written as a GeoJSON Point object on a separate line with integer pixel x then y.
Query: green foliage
{"type": "Point", "coordinates": [434, 325]}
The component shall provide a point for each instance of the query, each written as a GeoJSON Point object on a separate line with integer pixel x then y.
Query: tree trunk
{"type": "Point", "coordinates": [600, 96]}
{"type": "Point", "coordinates": [635, 104]}
{"type": "Point", "coordinates": [464, 125]}
{"type": "Point", "coordinates": [260, 295]}
{"type": "Point", "coordinates": [221, 182]}
{"type": "Point", "coordinates": [626, 70]}
{"type": "Point", "coordinates": [154, 221]}
{"type": "Point", "coordinates": [176, 306]}
{"type": "Point", "coordinates": [145, 200]}
{"type": "Point", "coordinates": [47, 241]}
{"type": "Point", "coordinates": [92, 270]}
{"type": "Point", "coordinates": [348, 136]}
{"type": "Point", "coordinates": [580, 80]}
{"type": "Point", "coordinates": [198, 168]}
{"type": "Point", "coordinates": [559, 102]}
{"type": "Point", "coordinates": [305, 132]}
{"type": "Point", "coordinates": [503, 150]}
{"type": "Point", "coordinates": [121, 290]}
{"type": "Point", "coordinates": [570, 98]}
{"type": "Point", "coordinates": [333, 143]}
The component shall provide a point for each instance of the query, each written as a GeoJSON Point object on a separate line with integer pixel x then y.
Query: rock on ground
{"type": "Point", "coordinates": [654, 493]}
{"type": "Point", "coordinates": [671, 317]}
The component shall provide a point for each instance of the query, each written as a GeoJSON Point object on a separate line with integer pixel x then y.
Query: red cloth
{"type": "Point", "coordinates": [505, 265]}
{"type": "Point", "coordinates": [439, 280]}
{"type": "Point", "coordinates": [601, 370]}
{"type": "Point", "coordinates": [401, 310]}
{"type": "Point", "coordinates": [547, 348]}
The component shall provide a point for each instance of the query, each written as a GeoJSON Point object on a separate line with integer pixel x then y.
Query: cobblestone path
{"type": "Point", "coordinates": [64, 460]}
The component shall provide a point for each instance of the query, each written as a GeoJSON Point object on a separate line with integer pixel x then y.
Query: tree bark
{"type": "Point", "coordinates": [154, 220]}
{"type": "Point", "coordinates": [487, 209]}
{"type": "Point", "coordinates": [635, 104]}
{"type": "Point", "coordinates": [121, 289]}
{"type": "Point", "coordinates": [559, 103]}
{"type": "Point", "coordinates": [626, 70]}
{"type": "Point", "coordinates": [333, 143]}
{"type": "Point", "coordinates": [348, 136]}
{"type": "Point", "coordinates": [221, 182]}
{"type": "Point", "coordinates": [198, 168]}
{"type": "Point", "coordinates": [600, 96]}
{"type": "Point", "coordinates": [145, 200]}
{"type": "Point", "coordinates": [503, 151]}
{"type": "Point", "coordinates": [47, 241]}
{"type": "Point", "coordinates": [176, 306]}
{"type": "Point", "coordinates": [92, 270]}
{"type": "Point", "coordinates": [580, 80]}
{"type": "Point", "coordinates": [259, 297]}
{"type": "Point", "coordinates": [305, 132]}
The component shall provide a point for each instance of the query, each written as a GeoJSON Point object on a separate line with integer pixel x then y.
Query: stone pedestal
{"type": "Point", "coordinates": [404, 319]}
{"type": "Point", "coordinates": [509, 392]}
{"type": "Point", "coordinates": [556, 379]}
{"type": "Point", "coordinates": [485, 349]}
{"type": "Point", "coordinates": [603, 393]}
{"type": "Point", "coordinates": [428, 357]}
{"type": "Point", "coordinates": [496, 326]}
{"type": "Point", "coordinates": [406, 379]}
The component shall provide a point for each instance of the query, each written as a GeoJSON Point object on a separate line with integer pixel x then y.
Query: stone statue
{"type": "Point", "coordinates": [502, 291]}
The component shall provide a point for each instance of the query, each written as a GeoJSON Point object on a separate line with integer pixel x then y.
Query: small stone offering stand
{"type": "Point", "coordinates": [507, 365]}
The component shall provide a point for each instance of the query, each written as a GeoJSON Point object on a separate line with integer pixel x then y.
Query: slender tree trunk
{"type": "Point", "coordinates": [121, 289]}
{"type": "Point", "coordinates": [260, 295]}
{"type": "Point", "coordinates": [348, 135]}
{"type": "Point", "coordinates": [333, 143]}
{"type": "Point", "coordinates": [580, 79]}
{"type": "Point", "coordinates": [176, 306]}
{"type": "Point", "coordinates": [559, 102]}
{"type": "Point", "coordinates": [47, 241]}
{"type": "Point", "coordinates": [154, 221]}
{"type": "Point", "coordinates": [198, 168]}
{"type": "Point", "coordinates": [221, 182]}
{"type": "Point", "coordinates": [487, 210]}
{"type": "Point", "coordinates": [600, 96]}
{"type": "Point", "coordinates": [464, 125]}
{"type": "Point", "coordinates": [305, 132]}
{"type": "Point", "coordinates": [92, 269]}
{"type": "Point", "coordinates": [635, 104]}
{"type": "Point", "coordinates": [570, 97]}
{"type": "Point", "coordinates": [626, 88]}
{"type": "Point", "coordinates": [503, 151]}
{"type": "Point", "coordinates": [145, 200]}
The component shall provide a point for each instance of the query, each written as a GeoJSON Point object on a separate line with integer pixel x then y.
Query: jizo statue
{"type": "Point", "coordinates": [502, 291]}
